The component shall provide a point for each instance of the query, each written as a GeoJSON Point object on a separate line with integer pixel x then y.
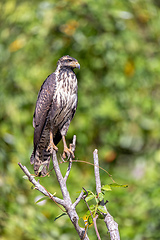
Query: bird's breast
{"type": "Point", "coordinates": [66, 89]}
{"type": "Point", "coordinates": [64, 99]}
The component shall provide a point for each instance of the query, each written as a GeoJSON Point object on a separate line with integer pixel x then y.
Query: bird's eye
{"type": "Point", "coordinates": [69, 60]}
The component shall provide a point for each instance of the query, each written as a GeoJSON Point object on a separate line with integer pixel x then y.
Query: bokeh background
{"type": "Point", "coordinates": [117, 44]}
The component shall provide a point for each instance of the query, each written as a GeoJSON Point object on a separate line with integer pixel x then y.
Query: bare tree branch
{"type": "Point", "coordinates": [96, 171]}
{"type": "Point", "coordinates": [68, 170]}
{"type": "Point", "coordinates": [66, 201]}
{"type": "Point", "coordinates": [78, 199]}
{"type": "Point", "coordinates": [70, 208]}
{"type": "Point", "coordinates": [95, 226]}
{"type": "Point", "coordinates": [108, 219]}
{"type": "Point", "coordinates": [72, 146]}
{"type": "Point", "coordinates": [59, 176]}
{"type": "Point", "coordinates": [112, 227]}
{"type": "Point", "coordinates": [39, 187]}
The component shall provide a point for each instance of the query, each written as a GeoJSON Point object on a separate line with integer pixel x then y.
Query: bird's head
{"type": "Point", "coordinates": [67, 61]}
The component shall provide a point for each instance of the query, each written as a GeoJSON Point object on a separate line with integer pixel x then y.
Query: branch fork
{"type": "Point", "coordinates": [70, 208]}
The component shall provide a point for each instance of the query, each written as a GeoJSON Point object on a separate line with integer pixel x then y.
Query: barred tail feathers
{"type": "Point", "coordinates": [41, 158]}
{"type": "Point", "coordinates": [32, 158]}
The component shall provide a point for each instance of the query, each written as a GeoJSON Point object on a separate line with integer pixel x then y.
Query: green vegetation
{"type": "Point", "coordinates": [117, 44]}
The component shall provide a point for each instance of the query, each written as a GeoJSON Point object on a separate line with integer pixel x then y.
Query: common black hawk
{"type": "Point", "coordinates": [55, 107]}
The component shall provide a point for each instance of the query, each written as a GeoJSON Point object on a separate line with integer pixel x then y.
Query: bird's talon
{"type": "Point", "coordinates": [68, 152]}
{"type": "Point", "coordinates": [52, 147]}
{"type": "Point", "coordinates": [63, 155]}
{"type": "Point", "coordinates": [70, 146]}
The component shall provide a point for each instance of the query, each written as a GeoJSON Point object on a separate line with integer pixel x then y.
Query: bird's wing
{"type": "Point", "coordinates": [74, 109]}
{"type": "Point", "coordinates": [43, 105]}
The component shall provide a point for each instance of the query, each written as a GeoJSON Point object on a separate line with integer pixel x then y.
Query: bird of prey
{"type": "Point", "coordinates": [55, 107]}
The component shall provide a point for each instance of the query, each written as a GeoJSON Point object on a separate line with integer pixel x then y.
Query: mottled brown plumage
{"type": "Point", "coordinates": [55, 107]}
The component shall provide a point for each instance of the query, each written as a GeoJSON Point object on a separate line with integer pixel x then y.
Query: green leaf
{"type": "Point", "coordinates": [89, 197]}
{"type": "Point", "coordinates": [42, 199]}
{"type": "Point", "coordinates": [78, 192]}
{"type": "Point", "coordinates": [25, 177]}
{"type": "Point", "coordinates": [60, 215]}
{"type": "Point", "coordinates": [92, 209]}
{"type": "Point", "coordinates": [100, 196]}
{"type": "Point", "coordinates": [100, 216]}
{"type": "Point", "coordinates": [40, 168]}
{"type": "Point", "coordinates": [90, 220]}
{"type": "Point", "coordinates": [102, 209]}
{"type": "Point", "coordinates": [118, 185]}
{"type": "Point", "coordinates": [81, 223]}
{"type": "Point", "coordinates": [54, 194]}
{"type": "Point", "coordinates": [106, 188]}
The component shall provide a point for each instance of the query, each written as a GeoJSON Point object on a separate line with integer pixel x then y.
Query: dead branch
{"type": "Point", "coordinates": [66, 201]}
{"type": "Point", "coordinates": [108, 219]}
{"type": "Point", "coordinates": [39, 187]}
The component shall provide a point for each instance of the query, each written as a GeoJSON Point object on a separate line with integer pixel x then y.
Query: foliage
{"type": "Point", "coordinates": [117, 45]}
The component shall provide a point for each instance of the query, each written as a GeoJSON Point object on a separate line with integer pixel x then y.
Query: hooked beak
{"type": "Point", "coordinates": [77, 65]}
{"type": "Point", "coordinates": [74, 64]}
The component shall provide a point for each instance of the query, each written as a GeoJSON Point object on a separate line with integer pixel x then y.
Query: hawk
{"type": "Point", "coordinates": [55, 107]}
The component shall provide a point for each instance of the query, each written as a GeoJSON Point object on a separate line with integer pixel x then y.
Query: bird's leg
{"type": "Point", "coordinates": [67, 150]}
{"type": "Point", "coordinates": [51, 145]}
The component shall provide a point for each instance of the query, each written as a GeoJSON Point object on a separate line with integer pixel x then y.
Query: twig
{"type": "Point", "coordinates": [39, 187]}
{"type": "Point", "coordinates": [108, 219]}
{"type": "Point", "coordinates": [93, 218]}
{"type": "Point", "coordinates": [95, 226]}
{"type": "Point", "coordinates": [72, 146]}
{"type": "Point", "coordinates": [96, 171]}
{"type": "Point", "coordinates": [78, 199]}
{"type": "Point", "coordinates": [59, 176]}
{"type": "Point", "coordinates": [81, 161]}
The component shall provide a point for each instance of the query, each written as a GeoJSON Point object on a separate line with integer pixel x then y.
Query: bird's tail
{"type": "Point", "coordinates": [41, 161]}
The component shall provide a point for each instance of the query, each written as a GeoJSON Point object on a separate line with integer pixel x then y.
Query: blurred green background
{"type": "Point", "coordinates": [117, 44]}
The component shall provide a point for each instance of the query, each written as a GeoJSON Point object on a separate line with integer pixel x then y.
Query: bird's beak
{"type": "Point", "coordinates": [77, 65]}
{"type": "Point", "coordinates": [74, 65]}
